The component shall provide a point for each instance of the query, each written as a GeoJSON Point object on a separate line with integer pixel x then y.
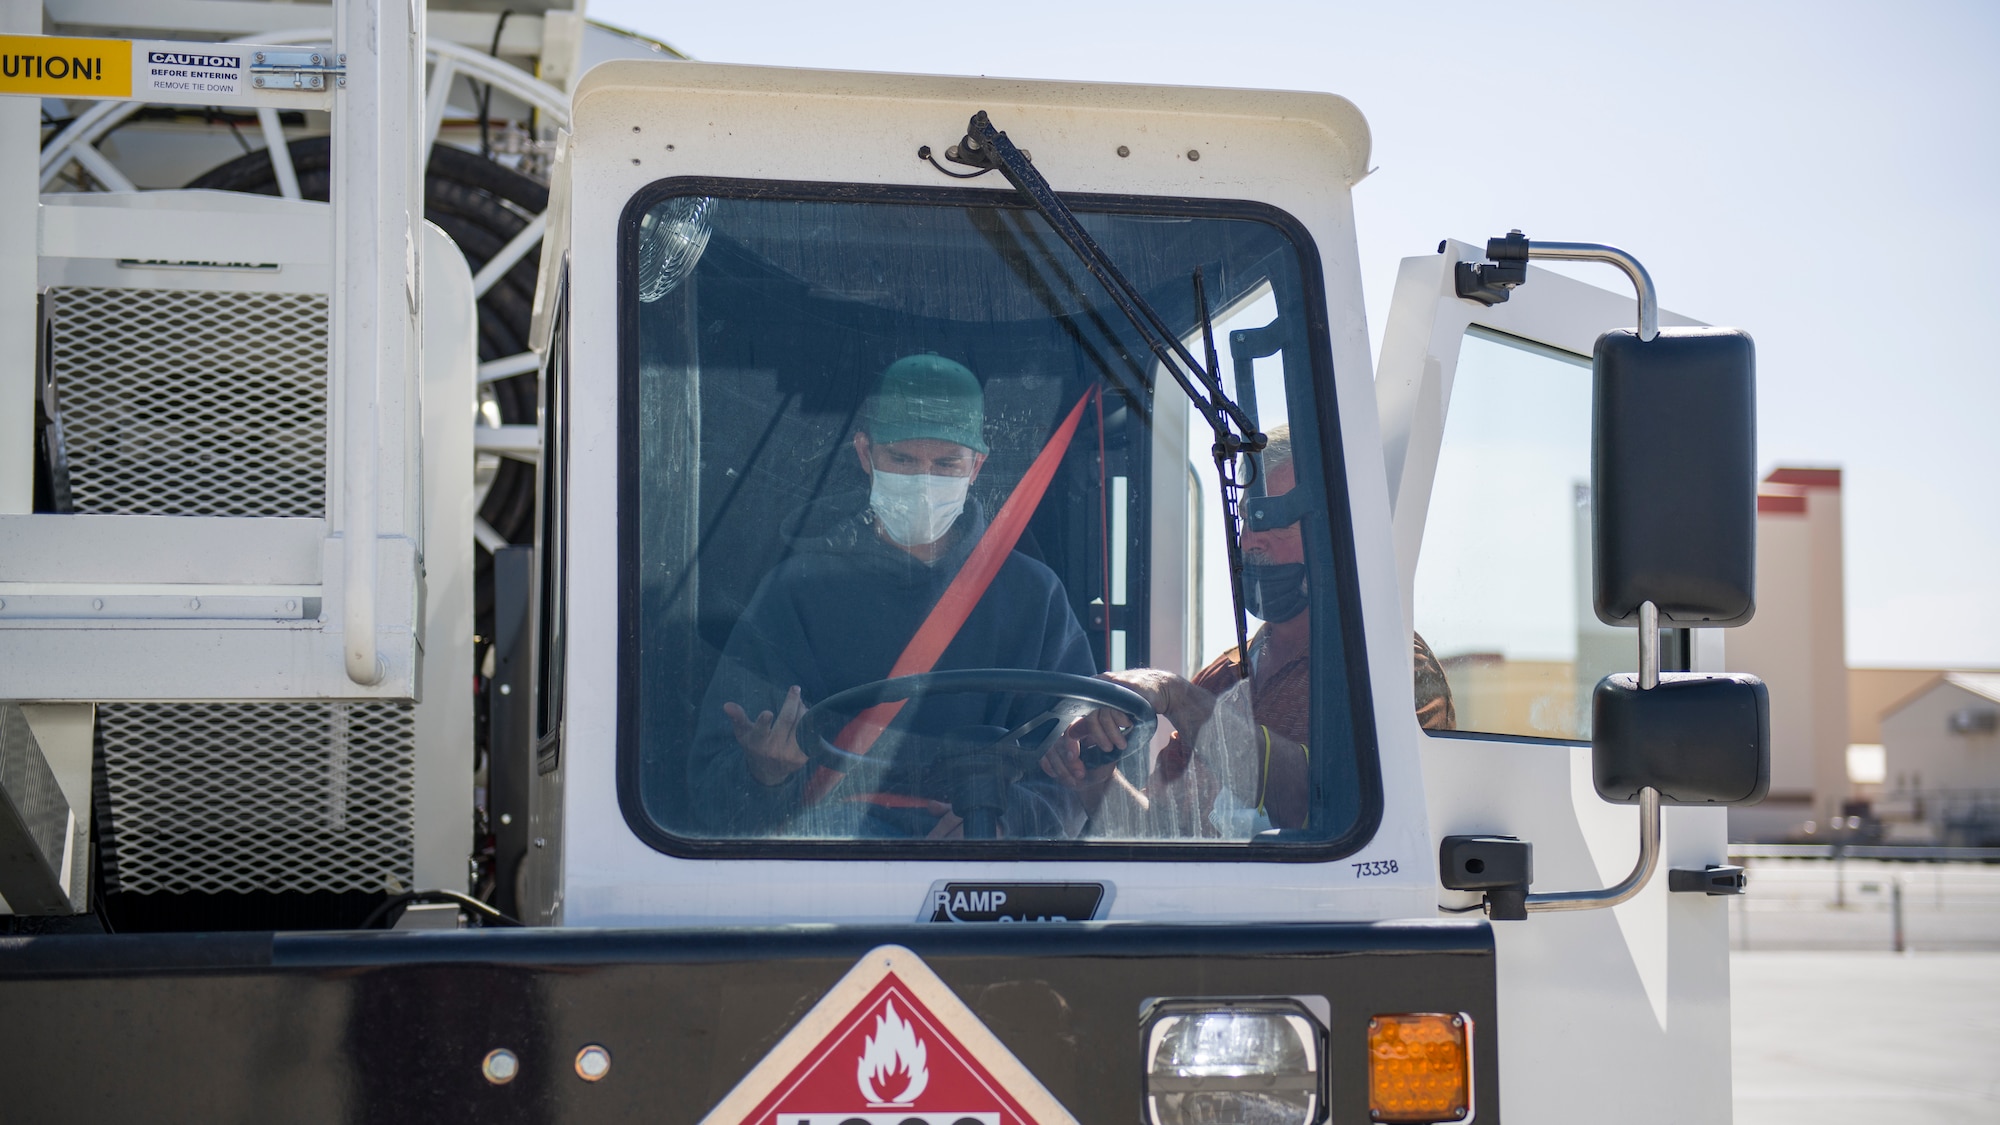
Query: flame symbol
{"type": "Point", "coordinates": [892, 1061]}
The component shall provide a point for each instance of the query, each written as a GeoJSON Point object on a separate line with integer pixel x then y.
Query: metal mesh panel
{"type": "Point", "coordinates": [191, 402]}
{"type": "Point", "coordinates": [259, 796]}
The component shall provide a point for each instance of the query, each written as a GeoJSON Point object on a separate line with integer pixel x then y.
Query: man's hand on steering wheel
{"type": "Point", "coordinates": [1174, 697]}
{"type": "Point", "coordinates": [770, 744]}
{"type": "Point", "coordinates": [1102, 728]}
{"type": "Point", "coordinates": [1171, 695]}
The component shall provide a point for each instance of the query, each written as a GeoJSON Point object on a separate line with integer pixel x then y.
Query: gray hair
{"type": "Point", "coordinates": [1277, 447]}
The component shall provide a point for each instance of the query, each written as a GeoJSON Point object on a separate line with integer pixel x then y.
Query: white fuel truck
{"type": "Point", "coordinates": [715, 594]}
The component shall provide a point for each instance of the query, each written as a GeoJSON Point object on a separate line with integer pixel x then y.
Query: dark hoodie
{"type": "Point", "coordinates": [836, 613]}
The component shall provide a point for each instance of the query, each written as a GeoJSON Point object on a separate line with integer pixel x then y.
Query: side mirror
{"type": "Point", "coordinates": [1673, 476]}
{"type": "Point", "coordinates": [1698, 738]}
{"type": "Point", "coordinates": [1673, 470]}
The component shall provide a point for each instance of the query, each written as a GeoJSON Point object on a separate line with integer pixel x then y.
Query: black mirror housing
{"type": "Point", "coordinates": [1673, 471]}
{"type": "Point", "coordinates": [1699, 738]}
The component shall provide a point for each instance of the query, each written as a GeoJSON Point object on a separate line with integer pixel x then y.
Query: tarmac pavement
{"type": "Point", "coordinates": [1865, 1038]}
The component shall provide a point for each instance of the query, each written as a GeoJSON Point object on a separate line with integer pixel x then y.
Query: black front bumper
{"type": "Point", "coordinates": [372, 1027]}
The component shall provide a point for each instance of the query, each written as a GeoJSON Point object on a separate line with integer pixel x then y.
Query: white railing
{"type": "Point", "coordinates": [372, 274]}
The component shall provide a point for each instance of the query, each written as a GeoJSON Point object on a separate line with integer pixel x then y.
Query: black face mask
{"type": "Point", "coordinates": [1274, 591]}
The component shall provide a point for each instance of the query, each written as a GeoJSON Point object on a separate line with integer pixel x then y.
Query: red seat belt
{"type": "Point", "coordinates": [956, 604]}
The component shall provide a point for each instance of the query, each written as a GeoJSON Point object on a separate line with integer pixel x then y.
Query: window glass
{"type": "Point", "coordinates": [1503, 582]}
{"type": "Point", "coordinates": [870, 438]}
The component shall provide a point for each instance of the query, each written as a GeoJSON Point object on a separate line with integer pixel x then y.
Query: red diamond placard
{"type": "Point", "coordinates": [891, 1044]}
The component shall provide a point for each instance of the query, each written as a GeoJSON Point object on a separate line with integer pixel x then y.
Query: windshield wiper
{"type": "Point", "coordinates": [1236, 433]}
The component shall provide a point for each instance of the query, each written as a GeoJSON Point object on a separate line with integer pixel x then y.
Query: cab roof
{"type": "Point", "coordinates": [1345, 128]}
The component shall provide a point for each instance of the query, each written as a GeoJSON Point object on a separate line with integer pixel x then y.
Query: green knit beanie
{"type": "Point", "coordinates": [927, 396]}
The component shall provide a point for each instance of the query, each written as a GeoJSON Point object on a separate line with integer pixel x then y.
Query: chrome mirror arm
{"type": "Point", "coordinates": [1649, 800]}
{"type": "Point", "coordinates": [1495, 281]}
{"type": "Point", "coordinates": [1642, 872]}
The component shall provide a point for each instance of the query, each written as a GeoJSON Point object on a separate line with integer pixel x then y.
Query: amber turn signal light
{"type": "Point", "coordinates": [1419, 1067]}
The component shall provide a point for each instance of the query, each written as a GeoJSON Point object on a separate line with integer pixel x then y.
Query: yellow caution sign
{"type": "Point", "coordinates": [52, 67]}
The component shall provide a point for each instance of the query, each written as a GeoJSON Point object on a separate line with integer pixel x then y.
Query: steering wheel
{"type": "Point", "coordinates": [1076, 696]}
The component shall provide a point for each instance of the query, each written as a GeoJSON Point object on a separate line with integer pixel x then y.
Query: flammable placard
{"type": "Point", "coordinates": [891, 1044]}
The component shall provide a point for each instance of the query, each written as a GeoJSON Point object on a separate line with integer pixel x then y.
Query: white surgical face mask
{"type": "Point", "coordinates": [918, 508]}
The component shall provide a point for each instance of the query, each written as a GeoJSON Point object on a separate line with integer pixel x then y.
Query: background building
{"type": "Point", "coordinates": [1894, 754]}
{"type": "Point", "coordinates": [1941, 763]}
{"type": "Point", "coordinates": [1797, 644]}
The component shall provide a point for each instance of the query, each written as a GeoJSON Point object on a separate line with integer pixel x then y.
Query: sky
{"type": "Point", "coordinates": [1826, 176]}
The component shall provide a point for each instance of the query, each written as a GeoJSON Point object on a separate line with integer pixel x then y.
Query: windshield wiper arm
{"type": "Point", "coordinates": [1236, 433]}
{"type": "Point", "coordinates": [985, 146]}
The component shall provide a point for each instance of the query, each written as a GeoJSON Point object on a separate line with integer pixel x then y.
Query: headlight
{"type": "Point", "coordinates": [1233, 1062]}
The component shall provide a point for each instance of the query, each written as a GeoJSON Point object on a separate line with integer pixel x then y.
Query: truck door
{"type": "Point", "coordinates": [1486, 424]}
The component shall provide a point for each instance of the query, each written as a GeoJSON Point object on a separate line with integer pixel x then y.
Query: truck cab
{"type": "Point", "coordinates": [721, 339]}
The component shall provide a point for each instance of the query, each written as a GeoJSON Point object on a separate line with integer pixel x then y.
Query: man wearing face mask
{"type": "Point", "coordinates": [1185, 793]}
{"type": "Point", "coordinates": [861, 577]}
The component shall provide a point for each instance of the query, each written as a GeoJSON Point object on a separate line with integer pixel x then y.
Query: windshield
{"type": "Point", "coordinates": [870, 436]}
